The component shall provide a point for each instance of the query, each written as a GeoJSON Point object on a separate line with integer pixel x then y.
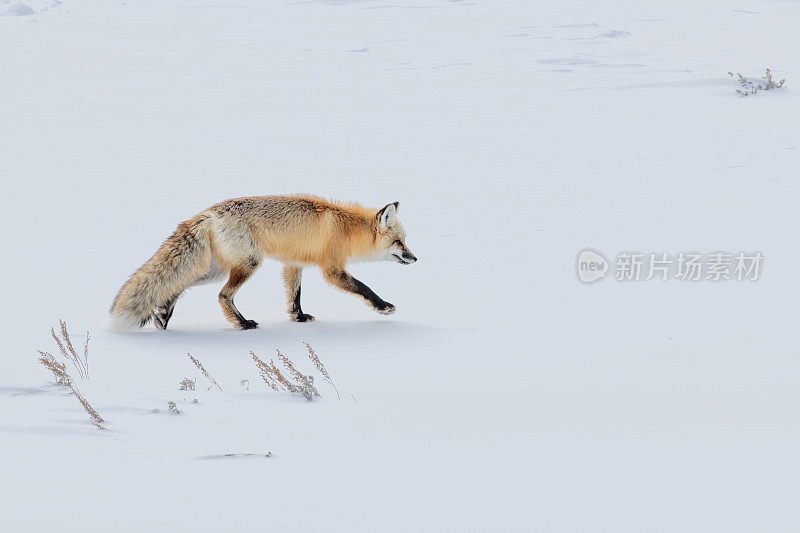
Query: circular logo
{"type": "Point", "coordinates": [592, 266]}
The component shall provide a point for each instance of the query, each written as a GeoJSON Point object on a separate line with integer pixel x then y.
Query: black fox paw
{"type": "Point", "coordinates": [302, 317]}
{"type": "Point", "coordinates": [385, 308]}
{"type": "Point", "coordinates": [160, 321]}
{"type": "Point", "coordinates": [248, 324]}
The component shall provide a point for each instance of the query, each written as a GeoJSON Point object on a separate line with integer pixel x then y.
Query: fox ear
{"type": "Point", "coordinates": [386, 215]}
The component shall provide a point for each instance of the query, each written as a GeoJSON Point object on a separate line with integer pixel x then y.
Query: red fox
{"type": "Point", "coordinates": [233, 237]}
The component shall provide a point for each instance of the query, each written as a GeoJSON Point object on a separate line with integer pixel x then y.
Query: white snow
{"type": "Point", "coordinates": [19, 9]}
{"type": "Point", "coordinates": [503, 393]}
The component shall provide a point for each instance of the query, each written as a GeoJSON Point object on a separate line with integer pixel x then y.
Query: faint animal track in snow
{"type": "Point", "coordinates": [21, 391]}
{"type": "Point", "coordinates": [387, 41]}
{"type": "Point", "coordinates": [403, 7]}
{"type": "Point", "coordinates": [568, 61]}
{"type": "Point", "coordinates": [615, 34]}
{"type": "Point", "coordinates": [618, 65]}
{"type": "Point", "coordinates": [579, 25]}
{"type": "Point", "coordinates": [687, 84]}
{"type": "Point", "coordinates": [237, 456]}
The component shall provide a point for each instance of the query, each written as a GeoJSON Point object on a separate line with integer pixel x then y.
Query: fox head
{"type": "Point", "coordinates": [391, 237]}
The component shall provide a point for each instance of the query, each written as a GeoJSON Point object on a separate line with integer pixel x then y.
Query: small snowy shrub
{"type": "Point", "coordinates": [751, 86]}
{"type": "Point", "coordinates": [186, 384]}
{"type": "Point", "coordinates": [173, 408]}
{"type": "Point", "coordinates": [275, 379]}
{"type": "Point", "coordinates": [305, 384]}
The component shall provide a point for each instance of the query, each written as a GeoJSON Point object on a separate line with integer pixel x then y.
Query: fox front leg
{"type": "Point", "coordinates": [343, 280]}
{"type": "Point", "coordinates": [291, 278]}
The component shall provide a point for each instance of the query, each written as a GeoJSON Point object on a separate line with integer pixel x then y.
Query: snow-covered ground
{"type": "Point", "coordinates": [503, 394]}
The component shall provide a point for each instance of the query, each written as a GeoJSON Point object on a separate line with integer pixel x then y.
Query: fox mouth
{"type": "Point", "coordinates": [403, 260]}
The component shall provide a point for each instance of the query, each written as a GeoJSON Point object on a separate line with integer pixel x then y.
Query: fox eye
{"type": "Point", "coordinates": [398, 243]}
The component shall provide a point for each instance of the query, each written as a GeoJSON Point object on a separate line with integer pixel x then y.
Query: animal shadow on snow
{"type": "Point", "coordinates": [282, 334]}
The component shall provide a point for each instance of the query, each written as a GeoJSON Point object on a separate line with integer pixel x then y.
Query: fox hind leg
{"type": "Point", "coordinates": [292, 276]}
{"type": "Point", "coordinates": [238, 276]}
{"type": "Point", "coordinates": [163, 313]}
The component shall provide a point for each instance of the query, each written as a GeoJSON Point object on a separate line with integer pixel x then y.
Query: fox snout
{"type": "Point", "coordinates": [404, 256]}
{"type": "Point", "coordinates": [407, 258]}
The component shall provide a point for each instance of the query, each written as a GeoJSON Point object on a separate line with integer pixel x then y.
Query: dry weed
{"type": "Point", "coordinates": [68, 351]}
{"type": "Point", "coordinates": [304, 383]}
{"type": "Point", "coordinates": [266, 372]}
{"type": "Point", "coordinates": [285, 383]}
{"type": "Point", "coordinates": [276, 380]}
{"type": "Point", "coordinates": [59, 371]}
{"type": "Point", "coordinates": [322, 370]}
{"type": "Point", "coordinates": [749, 86]}
{"type": "Point", "coordinates": [199, 365]}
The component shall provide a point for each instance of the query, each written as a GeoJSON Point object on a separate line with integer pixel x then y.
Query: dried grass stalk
{"type": "Point", "coordinates": [69, 353]}
{"type": "Point", "coordinates": [322, 370]}
{"type": "Point", "coordinates": [266, 372]}
{"type": "Point", "coordinates": [280, 378]}
{"type": "Point", "coordinates": [88, 408]}
{"type": "Point", "coordinates": [306, 383]}
{"type": "Point", "coordinates": [86, 353]}
{"type": "Point", "coordinates": [199, 365]}
{"type": "Point", "coordinates": [59, 370]}
{"type": "Point", "coordinates": [276, 380]}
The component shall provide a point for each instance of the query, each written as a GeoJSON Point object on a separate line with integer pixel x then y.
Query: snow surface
{"type": "Point", "coordinates": [503, 394]}
{"type": "Point", "coordinates": [19, 9]}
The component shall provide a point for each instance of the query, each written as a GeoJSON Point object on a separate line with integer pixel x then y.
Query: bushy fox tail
{"type": "Point", "coordinates": [184, 258]}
